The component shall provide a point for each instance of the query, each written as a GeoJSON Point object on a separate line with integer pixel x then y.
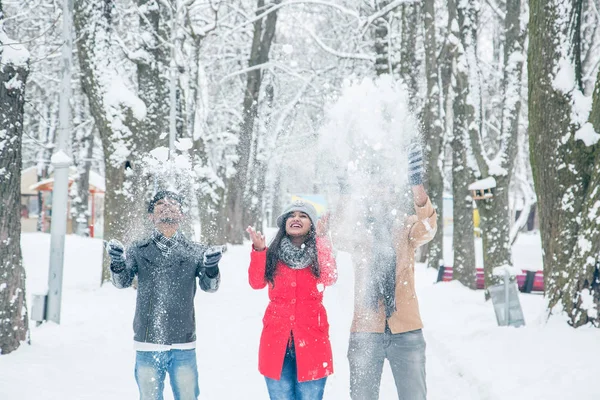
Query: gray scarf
{"type": "Point", "coordinates": [295, 257]}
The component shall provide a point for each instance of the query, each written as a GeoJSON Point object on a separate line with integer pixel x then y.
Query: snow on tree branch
{"type": "Point", "coordinates": [11, 52]}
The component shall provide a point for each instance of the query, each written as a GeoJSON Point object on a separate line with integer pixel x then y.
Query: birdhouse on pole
{"type": "Point", "coordinates": [483, 189]}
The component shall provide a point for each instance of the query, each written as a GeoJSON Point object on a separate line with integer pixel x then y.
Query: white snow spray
{"type": "Point", "coordinates": [157, 171]}
{"type": "Point", "coordinates": [366, 138]}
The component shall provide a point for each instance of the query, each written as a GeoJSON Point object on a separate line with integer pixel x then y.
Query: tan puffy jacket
{"type": "Point", "coordinates": [410, 233]}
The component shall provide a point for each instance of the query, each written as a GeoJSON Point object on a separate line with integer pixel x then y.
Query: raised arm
{"type": "Point", "coordinates": [256, 271]}
{"type": "Point", "coordinates": [325, 252]}
{"type": "Point", "coordinates": [122, 269]}
{"type": "Point", "coordinates": [208, 272]}
{"type": "Point", "coordinates": [258, 260]}
{"type": "Point", "coordinates": [327, 262]}
{"type": "Point", "coordinates": [425, 226]}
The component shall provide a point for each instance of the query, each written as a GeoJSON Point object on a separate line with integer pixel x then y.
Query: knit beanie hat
{"type": "Point", "coordinates": [302, 206]}
{"type": "Point", "coordinates": [162, 194]}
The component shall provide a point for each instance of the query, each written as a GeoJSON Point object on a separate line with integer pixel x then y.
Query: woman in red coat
{"type": "Point", "coordinates": [295, 352]}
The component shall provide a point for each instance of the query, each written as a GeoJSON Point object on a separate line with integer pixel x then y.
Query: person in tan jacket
{"type": "Point", "coordinates": [386, 322]}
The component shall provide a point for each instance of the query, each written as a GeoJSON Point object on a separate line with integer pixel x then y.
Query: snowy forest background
{"type": "Point", "coordinates": [502, 89]}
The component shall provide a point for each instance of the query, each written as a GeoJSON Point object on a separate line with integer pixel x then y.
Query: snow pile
{"type": "Point", "coordinates": [587, 134]}
{"type": "Point", "coordinates": [118, 94]}
{"type": "Point", "coordinates": [487, 183]}
{"type": "Point", "coordinates": [60, 157]}
{"type": "Point", "coordinates": [12, 53]}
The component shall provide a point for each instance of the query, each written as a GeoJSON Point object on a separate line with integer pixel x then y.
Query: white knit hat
{"type": "Point", "coordinates": [299, 205]}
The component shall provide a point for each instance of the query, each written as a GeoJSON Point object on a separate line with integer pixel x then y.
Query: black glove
{"type": "Point", "coordinates": [212, 255]}
{"type": "Point", "coordinates": [115, 251]}
{"type": "Point", "coordinates": [415, 164]}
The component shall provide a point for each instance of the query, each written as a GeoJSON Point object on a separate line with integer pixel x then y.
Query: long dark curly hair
{"type": "Point", "coordinates": [273, 251]}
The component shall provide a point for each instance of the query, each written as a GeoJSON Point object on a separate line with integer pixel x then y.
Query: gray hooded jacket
{"type": "Point", "coordinates": [164, 312]}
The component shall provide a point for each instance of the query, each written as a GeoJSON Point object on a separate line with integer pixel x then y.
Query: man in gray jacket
{"type": "Point", "coordinates": [166, 265]}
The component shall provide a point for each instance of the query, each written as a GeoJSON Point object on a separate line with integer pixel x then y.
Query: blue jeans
{"type": "Point", "coordinates": [152, 366]}
{"type": "Point", "coordinates": [288, 387]}
{"type": "Point", "coordinates": [406, 355]}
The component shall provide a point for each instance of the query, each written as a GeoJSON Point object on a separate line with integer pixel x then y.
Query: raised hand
{"type": "Point", "coordinates": [115, 250]}
{"type": "Point", "coordinates": [323, 225]}
{"type": "Point", "coordinates": [212, 255]}
{"type": "Point", "coordinates": [258, 239]}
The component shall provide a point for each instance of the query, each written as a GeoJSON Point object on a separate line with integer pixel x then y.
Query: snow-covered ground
{"type": "Point", "coordinates": [90, 355]}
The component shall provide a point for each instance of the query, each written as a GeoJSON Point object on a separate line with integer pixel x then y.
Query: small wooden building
{"type": "Point", "coordinates": [34, 194]}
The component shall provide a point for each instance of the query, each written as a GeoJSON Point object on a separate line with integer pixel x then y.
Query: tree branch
{"type": "Point", "coordinates": [337, 53]}
{"type": "Point", "coordinates": [297, 2]}
{"type": "Point", "coordinates": [384, 11]}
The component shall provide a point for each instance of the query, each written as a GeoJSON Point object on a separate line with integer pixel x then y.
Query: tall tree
{"type": "Point", "coordinates": [433, 131]}
{"type": "Point", "coordinates": [466, 118]}
{"type": "Point", "coordinates": [13, 75]}
{"type": "Point", "coordinates": [116, 110]}
{"type": "Point", "coordinates": [381, 40]}
{"type": "Point", "coordinates": [260, 160]}
{"type": "Point", "coordinates": [152, 67]}
{"type": "Point", "coordinates": [82, 145]}
{"type": "Point", "coordinates": [495, 211]}
{"type": "Point", "coordinates": [236, 199]}
{"type": "Point", "coordinates": [410, 67]}
{"type": "Point", "coordinates": [564, 135]}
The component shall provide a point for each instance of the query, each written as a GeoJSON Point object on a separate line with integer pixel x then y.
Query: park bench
{"type": "Point", "coordinates": [527, 281]}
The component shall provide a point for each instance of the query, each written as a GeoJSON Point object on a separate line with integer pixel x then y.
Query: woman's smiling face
{"type": "Point", "coordinates": [297, 224]}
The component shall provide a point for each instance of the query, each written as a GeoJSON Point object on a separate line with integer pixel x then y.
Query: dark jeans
{"type": "Point", "coordinates": [406, 355]}
{"type": "Point", "coordinates": [288, 387]}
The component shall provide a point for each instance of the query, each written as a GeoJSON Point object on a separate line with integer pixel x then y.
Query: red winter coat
{"type": "Point", "coordinates": [295, 306]}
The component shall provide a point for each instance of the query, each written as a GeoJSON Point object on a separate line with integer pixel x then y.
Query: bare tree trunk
{"type": "Point", "coordinates": [260, 162]}
{"type": "Point", "coordinates": [80, 189]}
{"type": "Point", "coordinates": [409, 65]}
{"type": "Point", "coordinates": [464, 268]}
{"type": "Point", "coordinates": [383, 63]}
{"type": "Point", "coordinates": [83, 147]}
{"type": "Point", "coordinates": [462, 174]}
{"type": "Point", "coordinates": [236, 199]}
{"type": "Point", "coordinates": [209, 194]}
{"type": "Point", "coordinates": [153, 89]}
{"type": "Point", "coordinates": [433, 132]}
{"type": "Point", "coordinates": [567, 193]}
{"type": "Point", "coordinates": [152, 74]}
{"type": "Point", "coordinates": [13, 309]}
{"type": "Point", "coordinates": [495, 212]}
{"type": "Point", "coordinates": [115, 122]}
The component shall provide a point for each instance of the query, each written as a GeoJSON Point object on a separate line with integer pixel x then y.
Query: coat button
{"type": "Point", "coordinates": [293, 284]}
{"type": "Point", "coordinates": [292, 318]}
{"type": "Point", "coordinates": [293, 301]}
